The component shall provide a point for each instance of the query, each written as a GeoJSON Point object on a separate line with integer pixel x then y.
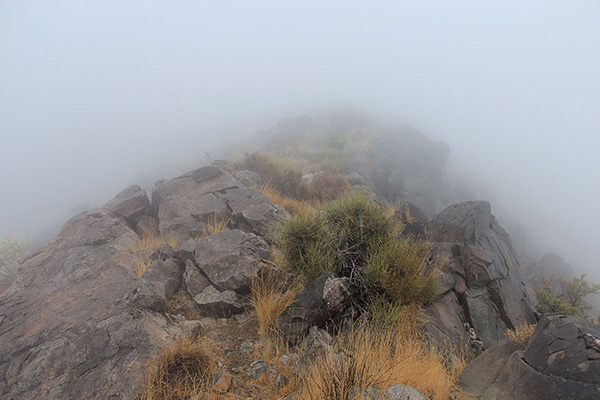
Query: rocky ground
{"type": "Point", "coordinates": [88, 312]}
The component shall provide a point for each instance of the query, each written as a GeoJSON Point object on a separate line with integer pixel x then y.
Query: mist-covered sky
{"type": "Point", "coordinates": [96, 95]}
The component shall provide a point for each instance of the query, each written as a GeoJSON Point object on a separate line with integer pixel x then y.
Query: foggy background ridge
{"type": "Point", "coordinates": [95, 96]}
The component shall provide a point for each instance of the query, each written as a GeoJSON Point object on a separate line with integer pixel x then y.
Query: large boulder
{"type": "Point", "coordinates": [322, 300]}
{"type": "Point", "coordinates": [231, 258]}
{"type": "Point", "coordinates": [132, 203]}
{"type": "Point", "coordinates": [480, 267]}
{"type": "Point", "coordinates": [561, 362]}
{"type": "Point", "coordinates": [189, 204]}
{"type": "Point", "coordinates": [69, 327]}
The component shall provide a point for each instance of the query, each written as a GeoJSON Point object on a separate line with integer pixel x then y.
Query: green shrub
{"type": "Point", "coordinates": [11, 251]}
{"type": "Point", "coordinates": [401, 270]}
{"type": "Point", "coordinates": [564, 296]}
{"type": "Point", "coordinates": [356, 238]}
{"type": "Point", "coordinates": [358, 227]}
{"type": "Point", "coordinates": [282, 176]}
{"type": "Point", "coordinates": [304, 243]}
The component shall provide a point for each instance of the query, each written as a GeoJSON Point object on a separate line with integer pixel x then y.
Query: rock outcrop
{"type": "Point", "coordinates": [480, 282]}
{"type": "Point", "coordinates": [560, 362]}
{"type": "Point", "coordinates": [78, 323]}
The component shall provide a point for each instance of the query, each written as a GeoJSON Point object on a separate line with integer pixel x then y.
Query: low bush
{"type": "Point", "coordinates": [565, 296]}
{"type": "Point", "coordinates": [282, 176]}
{"type": "Point", "coordinates": [402, 270]}
{"type": "Point", "coordinates": [179, 372]}
{"type": "Point", "coordinates": [357, 238]}
{"type": "Point", "coordinates": [329, 185]}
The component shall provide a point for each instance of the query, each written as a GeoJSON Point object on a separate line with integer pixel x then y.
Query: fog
{"type": "Point", "coordinates": [98, 95]}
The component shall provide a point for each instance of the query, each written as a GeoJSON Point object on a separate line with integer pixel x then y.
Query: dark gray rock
{"type": "Point", "coordinates": [484, 269]}
{"type": "Point", "coordinates": [131, 203]}
{"type": "Point", "coordinates": [446, 326]}
{"type": "Point", "coordinates": [561, 361]}
{"type": "Point", "coordinates": [195, 281]}
{"type": "Point", "coordinates": [68, 328]}
{"type": "Point", "coordinates": [219, 304]}
{"type": "Point", "coordinates": [157, 285]}
{"type": "Point", "coordinates": [321, 301]}
{"type": "Point", "coordinates": [231, 258]}
{"type": "Point", "coordinates": [247, 178]}
{"type": "Point", "coordinates": [483, 371]}
{"type": "Point", "coordinates": [559, 348]}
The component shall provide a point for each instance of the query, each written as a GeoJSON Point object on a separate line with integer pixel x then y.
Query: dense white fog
{"type": "Point", "coordinates": [96, 95]}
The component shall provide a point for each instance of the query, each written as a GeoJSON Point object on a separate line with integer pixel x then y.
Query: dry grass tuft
{"type": "Point", "coordinates": [293, 206]}
{"type": "Point", "coordinates": [180, 372]}
{"type": "Point", "coordinates": [215, 224]}
{"type": "Point", "coordinates": [270, 297]}
{"type": "Point", "coordinates": [367, 355]}
{"type": "Point", "coordinates": [521, 334]}
{"type": "Point", "coordinates": [146, 246]}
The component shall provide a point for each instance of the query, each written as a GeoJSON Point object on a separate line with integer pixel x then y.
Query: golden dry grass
{"type": "Point", "coordinates": [368, 355]}
{"type": "Point", "coordinates": [146, 246]}
{"type": "Point", "coordinates": [270, 298]}
{"type": "Point", "coordinates": [293, 206]}
{"type": "Point", "coordinates": [215, 224]}
{"type": "Point", "coordinates": [521, 334]}
{"type": "Point", "coordinates": [179, 372]}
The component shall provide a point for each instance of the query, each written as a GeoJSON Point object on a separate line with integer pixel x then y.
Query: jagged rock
{"type": "Point", "coordinates": [557, 363]}
{"type": "Point", "coordinates": [403, 392]}
{"type": "Point", "coordinates": [219, 304]}
{"type": "Point", "coordinates": [484, 268]}
{"type": "Point", "coordinates": [68, 328]}
{"type": "Point", "coordinates": [131, 203]}
{"type": "Point", "coordinates": [483, 371]}
{"type": "Point", "coordinates": [252, 211]}
{"type": "Point", "coordinates": [231, 258]}
{"type": "Point", "coordinates": [247, 178]}
{"type": "Point", "coordinates": [356, 179]}
{"type": "Point", "coordinates": [195, 282]}
{"type": "Point", "coordinates": [446, 327]}
{"type": "Point", "coordinates": [319, 302]}
{"type": "Point", "coordinates": [147, 226]}
{"type": "Point", "coordinates": [559, 348]}
{"type": "Point", "coordinates": [316, 339]}
{"type": "Point", "coordinates": [185, 204]}
{"type": "Point", "coordinates": [157, 285]}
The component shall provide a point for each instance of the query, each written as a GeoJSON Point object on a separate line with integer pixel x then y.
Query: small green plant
{"type": "Point", "coordinates": [565, 295]}
{"type": "Point", "coordinates": [11, 251]}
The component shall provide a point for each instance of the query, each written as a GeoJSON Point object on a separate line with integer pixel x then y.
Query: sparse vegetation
{"type": "Point", "coordinates": [11, 252]}
{"type": "Point", "coordinates": [565, 296]}
{"type": "Point", "coordinates": [329, 185]}
{"type": "Point", "coordinates": [521, 334]}
{"type": "Point", "coordinates": [282, 176]}
{"type": "Point", "coordinates": [270, 297]}
{"type": "Point", "coordinates": [370, 355]}
{"type": "Point", "coordinates": [293, 206]}
{"type": "Point", "coordinates": [180, 372]}
{"type": "Point", "coordinates": [146, 246]}
{"type": "Point", "coordinates": [215, 224]}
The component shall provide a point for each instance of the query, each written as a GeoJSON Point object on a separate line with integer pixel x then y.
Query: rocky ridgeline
{"type": "Point", "coordinates": [78, 323]}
